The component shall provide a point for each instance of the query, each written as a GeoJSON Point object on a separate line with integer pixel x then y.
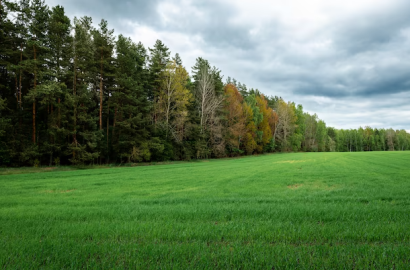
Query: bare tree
{"type": "Point", "coordinates": [390, 136]}
{"type": "Point", "coordinates": [207, 99]}
{"type": "Point", "coordinates": [286, 123]}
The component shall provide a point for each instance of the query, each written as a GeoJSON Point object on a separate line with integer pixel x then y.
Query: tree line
{"type": "Point", "coordinates": [71, 93]}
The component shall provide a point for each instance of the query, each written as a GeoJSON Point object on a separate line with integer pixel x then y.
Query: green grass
{"type": "Point", "coordinates": [281, 211]}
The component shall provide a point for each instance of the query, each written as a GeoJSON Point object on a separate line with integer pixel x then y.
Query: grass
{"type": "Point", "coordinates": [282, 211]}
{"type": "Point", "coordinates": [41, 169]}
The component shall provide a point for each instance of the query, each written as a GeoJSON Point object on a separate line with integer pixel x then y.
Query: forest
{"type": "Point", "coordinates": [72, 93]}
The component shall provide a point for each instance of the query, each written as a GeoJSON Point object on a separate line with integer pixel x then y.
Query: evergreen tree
{"type": "Point", "coordinates": [37, 46]}
{"type": "Point", "coordinates": [54, 90]}
{"type": "Point", "coordinates": [130, 127]}
{"type": "Point", "coordinates": [82, 100]}
{"type": "Point", "coordinates": [104, 43]}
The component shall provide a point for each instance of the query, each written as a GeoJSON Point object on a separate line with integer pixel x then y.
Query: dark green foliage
{"type": "Point", "coordinates": [73, 94]}
{"type": "Point", "coordinates": [130, 102]}
{"type": "Point", "coordinates": [159, 57]}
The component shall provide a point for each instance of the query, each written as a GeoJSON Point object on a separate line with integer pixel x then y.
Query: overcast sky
{"type": "Point", "coordinates": [347, 61]}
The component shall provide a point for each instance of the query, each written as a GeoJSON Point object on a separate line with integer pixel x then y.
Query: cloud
{"type": "Point", "coordinates": [117, 13]}
{"type": "Point", "coordinates": [348, 61]}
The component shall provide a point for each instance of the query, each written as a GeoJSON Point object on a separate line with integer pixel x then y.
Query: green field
{"type": "Point", "coordinates": [281, 211]}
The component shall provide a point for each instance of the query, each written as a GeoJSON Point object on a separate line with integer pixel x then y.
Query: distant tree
{"type": "Point", "coordinates": [177, 59]}
{"type": "Point", "coordinates": [298, 136]}
{"type": "Point", "coordinates": [252, 102]}
{"type": "Point", "coordinates": [250, 136]}
{"type": "Point", "coordinates": [286, 124]}
{"type": "Point", "coordinates": [321, 135]}
{"type": "Point", "coordinates": [264, 127]}
{"type": "Point", "coordinates": [390, 136]}
{"type": "Point", "coordinates": [310, 143]}
{"type": "Point", "coordinates": [402, 140]}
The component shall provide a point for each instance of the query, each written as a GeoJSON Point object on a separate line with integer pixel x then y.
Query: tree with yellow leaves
{"type": "Point", "coordinates": [235, 123]}
{"type": "Point", "coordinates": [264, 126]}
{"type": "Point", "coordinates": [173, 100]}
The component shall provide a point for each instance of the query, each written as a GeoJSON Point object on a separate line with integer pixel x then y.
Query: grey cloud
{"type": "Point", "coordinates": [387, 84]}
{"type": "Point", "coordinates": [368, 57]}
{"type": "Point", "coordinates": [213, 25]}
{"type": "Point", "coordinates": [371, 31]}
{"type": "Point", "coordinates": [115, 12]}
{"type": "Point", "coordinates": [382, 83]}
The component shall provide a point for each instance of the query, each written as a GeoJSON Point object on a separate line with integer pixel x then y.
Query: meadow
{"type": "Point", "coordinates": [279, 211]}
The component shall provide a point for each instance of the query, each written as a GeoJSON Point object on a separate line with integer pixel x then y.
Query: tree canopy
{"type": "Point", "coordinates": [72, 93]}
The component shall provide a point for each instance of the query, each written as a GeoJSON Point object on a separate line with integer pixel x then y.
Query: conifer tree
{"type": "Point", "coordinates": [131, 106]}
{"type": "Point", "coordinates": [85, 135]}
{"type": "Point", "coordinates": [158, 60]}
{"type": "Point", "coordinates": [54, 90]}
{"type": "Point", "coordinates": [38, 48]}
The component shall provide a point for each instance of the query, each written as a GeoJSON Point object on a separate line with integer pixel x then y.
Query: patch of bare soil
{"type": "Point", "coordinates": [295, 186]}
{"type": "Point", "coordinates": [49, 168]}
{"type": "Point", "coordinates": [59, 191]}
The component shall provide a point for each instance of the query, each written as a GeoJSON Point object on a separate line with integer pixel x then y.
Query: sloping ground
{"type": "Point", "coordinates": [306, 210]}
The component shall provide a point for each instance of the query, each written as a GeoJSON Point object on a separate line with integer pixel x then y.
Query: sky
{"type": "Point", "coordinates": [346, 61]}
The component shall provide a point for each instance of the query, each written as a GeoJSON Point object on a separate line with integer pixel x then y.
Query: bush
{"type": "Point", "coordinates": [57, 161]}
{"type": "Point", "coordinates": [36, 163]}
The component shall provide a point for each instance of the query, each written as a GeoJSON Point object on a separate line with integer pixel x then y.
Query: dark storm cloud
{"type": "Point", "coordinates": [384, 85]}
{"type": "Point", "coordinates": [212, 23]}
{"type": "Point", "coordinates": [367, 56]}
{"type": "Point", "coordinates": [211, 20]}
{"type": "Point", "coordinates": [115, 12]}
{"type": "Point", "coordinates": [357, 83]}
{"type": "Point", "coordinates": [372, 31]}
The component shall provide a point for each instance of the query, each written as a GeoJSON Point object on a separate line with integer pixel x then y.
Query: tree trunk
{"type": "Point", "coordinates": [75, 106]}
{"type": "Point", "coordinates": [59, 113]}
{"type": "Point", "coordinates": [51, 159]}
{"type": "Point", "coordinates": [34, 99]}
{"type": "Point", "coordinates": [101, 90]}
{"type": "Point", "coordinates": [17, 93]}
{"type": "Point", "coordinates": [113, 125]}
{"type": "Point", "coordinates": [21, 59]}
{"type": "Point", "coordinates": [167, 115]}
{"type": "Point", "coordinates": [108, 128]}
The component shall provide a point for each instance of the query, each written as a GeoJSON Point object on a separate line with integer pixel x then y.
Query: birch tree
{"type": "Point", "coordinates": [173, 99]}
{"type": "Point", "coordinates": [286, 123]}
{"type": "Point", "coordinates": [208, 102]}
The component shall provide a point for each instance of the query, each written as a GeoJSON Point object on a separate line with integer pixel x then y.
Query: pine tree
{"type": "Point", "coordinates": [158, 60]}
{"type": "Point", "coordinates": [83, 126]}
{"type": "Point", "coordinates": [104, 42]}
{"type": "Point", "coordinates": [12, 36]}
{"type": "Point", "coordinates": [131, 106]}
{"type": "Point", "coordinates": [38, 47]}
{"type": "Point", "coordinates": [54, 90]}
